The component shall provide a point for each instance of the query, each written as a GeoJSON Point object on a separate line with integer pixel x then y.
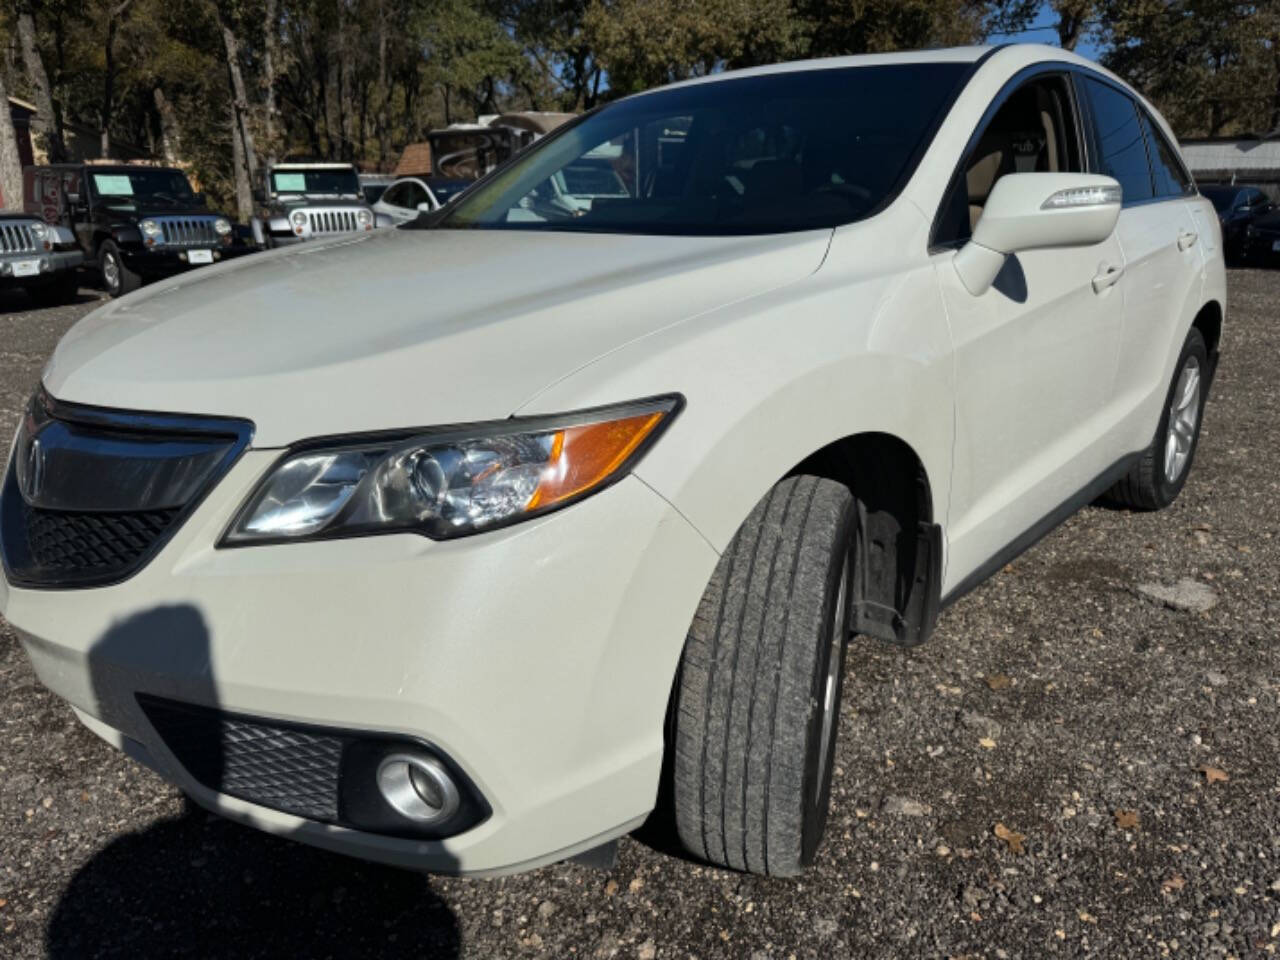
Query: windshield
{"type": "Point", "coordinates": [1220, 197]}
{"type": "Point", "coordinates": [144, 187]}
{"type": "Point", "coordinates": [766, 154]}
{"type": "Point", "coordinates": [331, 181]}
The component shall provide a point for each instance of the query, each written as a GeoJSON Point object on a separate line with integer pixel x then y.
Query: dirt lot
{"type": "Point", "coordinates": [1128, 750]}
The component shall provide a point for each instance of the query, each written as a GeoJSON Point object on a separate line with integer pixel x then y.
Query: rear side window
{"type": "Point", "coordinates": [1118, 137]}
{"type": "Point", "coordinates": [1171, 180]}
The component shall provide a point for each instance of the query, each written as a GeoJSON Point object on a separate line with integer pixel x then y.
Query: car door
{"type": "Point", "coordinates": [1035, 356]}
{"type": "Point", "coordinates": [1159, 240]}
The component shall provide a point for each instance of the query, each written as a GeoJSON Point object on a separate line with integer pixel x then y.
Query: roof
{"type": "Point", "coordinates": [414, 159]}
{"type": "Point", "coordinates": [1235, 155]}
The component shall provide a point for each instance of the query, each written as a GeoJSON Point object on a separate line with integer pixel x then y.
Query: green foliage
{"type": "Point", "coordinates": [359, 79]}
{"type": "Point", "coordinates": [1212, 67]}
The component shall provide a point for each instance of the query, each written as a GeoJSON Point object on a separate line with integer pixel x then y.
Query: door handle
{"type": "Point", "coordinates": [1107, 275]}
{"type": "Point", "coordinates": [1187, 239]}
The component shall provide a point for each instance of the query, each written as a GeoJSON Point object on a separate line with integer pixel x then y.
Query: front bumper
{"type": "Point", "coordinates": [156, 262]}
{"type": "Point", "coordinates": [539, 658]}
{"type": "Point", "coordinates": [52, 265]}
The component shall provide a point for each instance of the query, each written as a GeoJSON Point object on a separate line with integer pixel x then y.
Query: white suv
{"type": "Point", "coordinates": [430, 545]}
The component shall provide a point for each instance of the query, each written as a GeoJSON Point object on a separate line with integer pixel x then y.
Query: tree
{"type": "Point", "coordinates": [245, 157]}
{"type": "Point", "coordinates": [1210, 66]}
{"type": "Point", "coordinates": [644, 43]}
{"type": "Point", "coordinates": [48, 118]}
{"type": "Point", "coordinates": [115, 14]}
{"type": "Point", "coordinates": [10, 163]}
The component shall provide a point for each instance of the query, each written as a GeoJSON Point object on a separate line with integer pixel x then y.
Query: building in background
{"type": "Point", "coordinates": [1236, 160]}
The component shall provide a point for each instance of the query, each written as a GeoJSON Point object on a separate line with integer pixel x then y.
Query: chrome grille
{"type": "Point", "coordinates": [17, 238]}
{"type": "Point", "coordinates": [332, 221]}
{"type": "Point", "coordinates": [187, 231]}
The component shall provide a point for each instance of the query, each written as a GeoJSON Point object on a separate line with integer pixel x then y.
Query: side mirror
{"type": "Point", "coordinates": [259, 195]}
{"type": "Point", "coordinates": [73, 199]}
{"type": "Point", "coordinates": [425, 207]}
{"type": "Point", "coordinates": [1032, 211]}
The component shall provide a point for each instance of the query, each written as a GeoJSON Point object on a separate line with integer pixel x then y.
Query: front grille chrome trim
{"type": "Point", "coordinates": [83, 546]}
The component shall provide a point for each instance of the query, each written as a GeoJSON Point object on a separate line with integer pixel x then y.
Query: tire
{"type": "Point", "coordinates": [117, 278]}
{"type": "Point", "coordinates": [1157, 479]}
{"type": "Point", "coordinates": [758, 693]}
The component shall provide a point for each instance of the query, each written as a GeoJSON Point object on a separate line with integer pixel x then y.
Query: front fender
{"type": "Point", "coordinates": [861, 346]}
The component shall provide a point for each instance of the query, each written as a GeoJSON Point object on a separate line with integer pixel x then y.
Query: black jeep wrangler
{"type": "Point", "coordinates": [137, 223]}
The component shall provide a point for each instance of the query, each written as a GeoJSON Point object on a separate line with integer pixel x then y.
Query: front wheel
{"type": "Point", "coordinates": [1157, 479]}
{"type": "Point", "coordinates": [116, 277]}
{"type": "Point", "coordinates": [758, 697]}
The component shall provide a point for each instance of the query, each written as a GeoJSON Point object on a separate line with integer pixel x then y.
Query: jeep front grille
{"type": "Point", "coordinates": [332, 221]}
{"type": "Point", "coordinates": [187, 231]}
{"type": "Point", "coordinates": [17, 238]}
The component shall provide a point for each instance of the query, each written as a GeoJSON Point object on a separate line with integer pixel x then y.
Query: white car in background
{"type": "Point", "coordinates": [592, 488]}
{"type": "Point", "coordinates": [408, 197]}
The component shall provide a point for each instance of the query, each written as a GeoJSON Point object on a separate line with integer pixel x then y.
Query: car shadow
{"type": "Point", "coordinates": [16, 300]}
{"type": "Point", "coordinates": [197, 885]}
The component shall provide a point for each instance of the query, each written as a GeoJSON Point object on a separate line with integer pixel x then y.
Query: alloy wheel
{"type": "Point", "coordinates": [1184, 415]}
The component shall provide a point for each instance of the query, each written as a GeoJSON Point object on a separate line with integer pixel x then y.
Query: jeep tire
{"type": "Point", "coordinates": [117, 278]}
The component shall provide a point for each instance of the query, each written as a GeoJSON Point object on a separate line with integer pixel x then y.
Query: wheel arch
{"type": "Point", "coordinates": [1209, 322]}
{"type": "Point", "coordinates": [897, 546]}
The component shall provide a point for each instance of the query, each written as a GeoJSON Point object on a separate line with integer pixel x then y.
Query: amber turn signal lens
{"type": "Point", "coordinates": [585, 456]}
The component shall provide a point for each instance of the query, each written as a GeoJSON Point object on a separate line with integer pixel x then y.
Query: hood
{"type": "Point", "coordinates": [132, 211]}
{"type": "Point", "coordinates": [292, 200]}
{"type": "Point", "coordinates": [403, 328]}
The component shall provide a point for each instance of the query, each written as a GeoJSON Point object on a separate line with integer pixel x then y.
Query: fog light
{"type": "Point", "coordinates": [418, 787]}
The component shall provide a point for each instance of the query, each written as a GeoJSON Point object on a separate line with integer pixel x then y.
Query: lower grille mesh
{"type": "Point", "coordinates": [106, 542]}
{"type": "Point", "coordinates": [286, 769]}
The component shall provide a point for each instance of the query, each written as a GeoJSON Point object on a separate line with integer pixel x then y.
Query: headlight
{"type": "Point", "coordinates": [39, 231]}
{"type": "Point", "coordinates": [449, 483]}
{"type": "Point", "coordinates": [298, 218]}
{"type": "Point", "coordinates": [150, 229]}
{"type": "Point", "coordinates": [222, 226]}
{"type": "Point", "coordinates": [364, 218]}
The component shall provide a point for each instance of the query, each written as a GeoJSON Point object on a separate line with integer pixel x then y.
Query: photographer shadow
{"type": "Point", "coordinates": [200, 886]}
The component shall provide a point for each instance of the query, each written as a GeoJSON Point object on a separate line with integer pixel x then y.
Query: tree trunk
{"type": "Point", "coordinates": [48, 122]}
{"type": "Point", "coordinates": [384, 92]}
{"type": "Point", "coordinates": [115, 17]}
{"type": "Point", "coordinates": [244, 187]}
{"type": "Point", "coordinates": [269, 61]}
{"type": "Point", "coordinates": [239, 104]}
{"type": "Point", "coordinates": [169, 139]}
{"type": "Point", "coordinates": [10, 164]}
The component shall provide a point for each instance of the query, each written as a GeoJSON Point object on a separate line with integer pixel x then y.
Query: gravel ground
{"type": "Point", "coordinates": [1125, 750]}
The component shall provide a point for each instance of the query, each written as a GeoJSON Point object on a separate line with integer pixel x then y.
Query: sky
{"type": "Point", "coordinates": [1042, 31]}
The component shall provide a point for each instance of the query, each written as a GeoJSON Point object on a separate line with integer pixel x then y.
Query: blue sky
{"type": "Point", "coordinates": [1042, 31]}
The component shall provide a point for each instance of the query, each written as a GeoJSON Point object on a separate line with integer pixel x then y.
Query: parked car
{"type": "Point", "coordinates": [1260, 243]}
{"type": "Point", "coordinates": [1238, 208]}
{"type": "Point", "coordinates": [449, 537]}
{"type": "Point", "coordinates": [410, 196]}
{"type": "Point", "coordinates": [42, 259]}
{"type": "Point", "coordinates": [303, 201]}
{"type": "Point", "coordinates": [136, 223]}
{"type": "Point", "coordinates": [374, 185]}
